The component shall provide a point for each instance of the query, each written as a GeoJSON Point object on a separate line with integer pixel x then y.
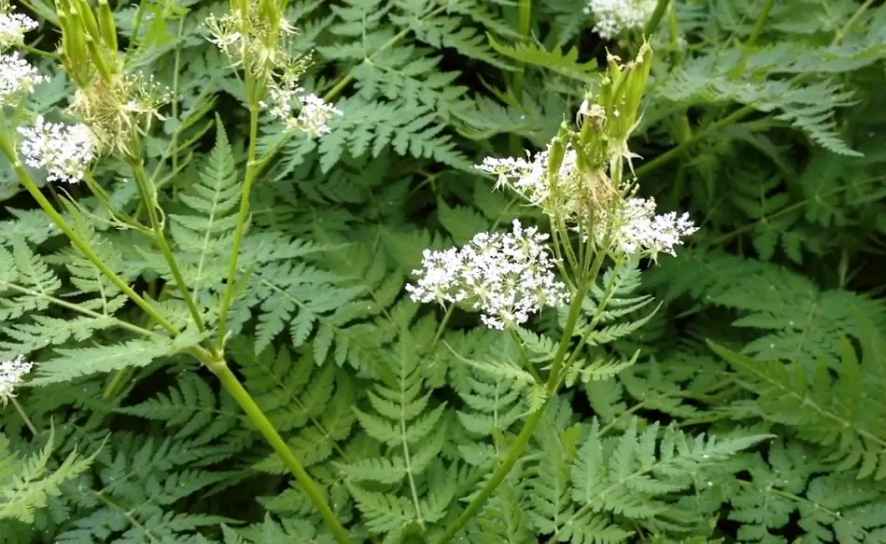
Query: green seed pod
{"type": "Point", "coordinates": [106, 24]}
{"type": "Point", "coordinates": [556, 152]}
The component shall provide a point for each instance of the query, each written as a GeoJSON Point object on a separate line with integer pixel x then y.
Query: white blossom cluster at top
{"type": "Point", "coordinates": [505, 276]}
{"type": "Point", "coordinates": [613, 17]}
{"type": "Point", "coordinates": [12, 374]}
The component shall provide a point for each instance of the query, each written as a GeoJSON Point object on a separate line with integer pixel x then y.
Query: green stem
{"type": "Point", "coordinates": [149, 198]}
{"type": "Point", "coordinates": [442, 327]}
{"type": "Point", "coordinates": [258, 418]}
{"type": "Point", "coordinates": [652, 24]}
{"type": "Point", "coordinates": [513, 455]}
{"type": "Point", "coordinates": [85, 248]}
{"type": "Point", "coordinates": [851, 22]}
{"type": "Point", "coordinates": [676, 152]}
{"type": "Point", "coordinates": [343, 81]}
{"type": "Point", "coordinates": [25, 417]}
{"type": "Point", "coordinates": [117, 383]}
{"type": "Point", "coordinates": [760, 24]}
{"type": "Point", "coordinates": [519, 445]}
{"type": "Point", "coordinates": [175, 84]}
{"type": "Point", "coordinates": [242, 223]}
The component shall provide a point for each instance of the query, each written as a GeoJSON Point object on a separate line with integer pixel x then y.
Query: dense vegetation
{"type": "Point", "coordinates": [219, 300]}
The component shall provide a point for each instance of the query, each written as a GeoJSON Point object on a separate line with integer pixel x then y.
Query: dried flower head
{"type": "Point", "coordinates": [17, 78]}
{"type": "Point", "coordinates": [13, 27]}
{"type": "Point", "coordinates": [256, 39]}
{"type": "Point", "coordinates": [314, 113]}
{"type": "Point", "coordinates": [568, 193]}
{"type": "Point", "coordinates": [65, 151]}
{"type": "Point", "coordinates": [120, 110]}
{"type": "Point", "coordinates": [616, 16]}
{"type": "Point", "coordinates": [505, 276]}
{"type": "Point", "coordinates": [12, 374]}
{"type": "Point", "coordinates": [637, 230]}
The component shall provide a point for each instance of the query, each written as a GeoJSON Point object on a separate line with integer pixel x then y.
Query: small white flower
{"type": "Point", "coordinates": [17, 78]}
{"type": "Point", "coordinates": [65, 151]}
{"type": "Point", "coordinates": [11, 375]}
{"type": "Point", "coordinates": [13, 27]}
{"type": "Point", "coordinates": [637, 230]}
{"type": "Point", "coordinates": [314, 113]}
{"type": "Point", "coordinates": [505, 276]}
{"type": "Point", "coordinates": [616, 16]}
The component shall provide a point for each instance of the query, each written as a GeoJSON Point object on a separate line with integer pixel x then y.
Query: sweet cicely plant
{"type": "Point", "coordinates": [578, 266]}
{"type": "Point", "coordinates": [108, 120]}
{"type": "Point", "coordinates": [598, 233]}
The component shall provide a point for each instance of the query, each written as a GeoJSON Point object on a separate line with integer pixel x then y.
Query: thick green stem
{"type": "Point", "coordinates": [242, 224]}
{"type": "Point", "coordinates": [652, 24]}
{"type": "Point", "coordinates": [258, 418]}
{"type": "Point", "coordinates": [147, 193]}
{"type": "Point", "coordinates": [82, 245]}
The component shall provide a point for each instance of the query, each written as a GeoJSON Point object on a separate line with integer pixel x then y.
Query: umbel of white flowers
{"type": "Point", "coordinates": [637, 230]}
{"type": "Point", "coordinates": [13, 27]}
{"type": "Point", "coordinates": [613, 17]}
{"type": "Point", "coordinates": [12, 374]}
{"type": "Point", "coordinates": [505, 276]}
{"type": "Point", "coordinates": [17, 78]}
{"type": "Point", "coordinates": [64, 151]}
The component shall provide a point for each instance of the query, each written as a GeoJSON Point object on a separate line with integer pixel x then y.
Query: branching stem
{"type": "Point", "coordinates": [518, 447]}
{"type": "Point", "coordinates": [82, 245]}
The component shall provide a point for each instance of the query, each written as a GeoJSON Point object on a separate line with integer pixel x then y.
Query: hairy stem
{"type": "Point", "coordinates": [258, 418]}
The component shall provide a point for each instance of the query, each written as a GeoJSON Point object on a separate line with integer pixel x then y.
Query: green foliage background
{"type": "Point", "coordinates": [754, 411]}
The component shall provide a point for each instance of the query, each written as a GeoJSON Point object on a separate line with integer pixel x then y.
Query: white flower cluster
{"type": "Point", "coordinates": [616, 16]}
{"type": "Point", "coordinates": [528, 177]}
{"type": "Point", "coordinates": [506, 276]}
{"type": "Point", "coordinates": [314, 112]}
{"type": "Point", "coordinates": [13, 27]}
{"type": "Point", "coordinates": [17, 78]}
{"type": "Point", "coordinates": [637, 230]}
{"type": "Point", "coordinates": [11, 375]}
{"type": "Point", "coordinates": [65, 151]}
